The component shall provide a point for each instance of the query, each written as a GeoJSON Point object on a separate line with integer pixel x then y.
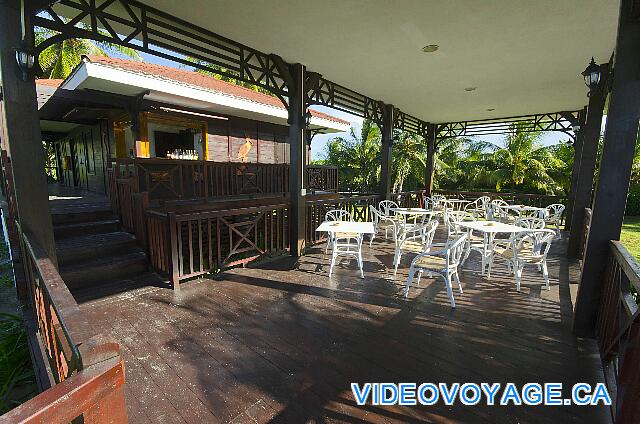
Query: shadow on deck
{"type": "Point", "coordinates": [282, 342]}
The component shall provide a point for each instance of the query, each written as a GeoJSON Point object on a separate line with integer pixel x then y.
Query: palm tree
{"type": "Point", "coordinates": [408, 160]}
{"type": "Point", "coordinates": [59, 59]}
{"type": "Point", "coordinates": [357, 158]}
{"type": "Point", "coordinates": [523, 163]}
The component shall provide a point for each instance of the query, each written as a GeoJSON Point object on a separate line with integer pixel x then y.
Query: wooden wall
{"type": "Point", "coordinates": [268, 141]}
{"type": "Point", "coordinates": [83, 155]}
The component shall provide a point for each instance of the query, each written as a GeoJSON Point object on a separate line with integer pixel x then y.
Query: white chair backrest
{"type": "Point", "coordinates": [537, 241]}
{"type": "Point", "coordinates": [385, 205]}
{"type": "Point", "coordinates": [531, 223]}
{"type": "Point", "coordinates": [555, 210]}
{"type": "Point", "coordinates": [455, 250]}
{"type": "Point", "coordinates": [337, 215]}
{"type": "Point", "coordinates": [540, 213]}
{"type": "Point", "coordinates": [483, 200]}
{"type": "Point", "coordinates": [427, 202]}
{"type": "Point", "coordinates": [430, 232]}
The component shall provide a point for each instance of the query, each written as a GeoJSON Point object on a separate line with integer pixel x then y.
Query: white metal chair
{"type": "Point", "coordinates": [345, 244]}
{"type": "Point", "coordinates": [382, 222]}
{"type": "Point", "coordinates": [554, 217]}
{"type": "Point", "coordinates": [335, 215]}
{"type": "Point", "coordinates": [531, 223]}
{"type": "Point", "coordinates": [478, 206]}
{"type": "Point", "coordinates": [427, 202]}
{"type": "Point", "coordinates": [416, 239]}
{"type": "Point", "coordinates": [530, 248]}
{"type": "Point", "coordinates": [443, 262]}
{"type": "Point", "coordinates": [385, 206]}
{"type": "Point", "coordinates": [453, 218]}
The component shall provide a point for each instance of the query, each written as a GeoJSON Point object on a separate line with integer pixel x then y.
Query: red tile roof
{"type": "Point", "coordinates": [198, 80]}
{"type": "Point", "coordinates": [49, 82]}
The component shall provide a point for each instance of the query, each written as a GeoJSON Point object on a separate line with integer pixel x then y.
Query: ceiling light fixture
{"type": "Point", "coordinates": [470, 89]}
{"type": "Point", "coordinates": [430, 48]}
{"type": "Point", "coordinates": [490, 109]}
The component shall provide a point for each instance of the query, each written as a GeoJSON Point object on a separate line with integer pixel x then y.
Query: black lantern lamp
{"type": "Point", "coordinates": [26, 60]}
{"type": "Point", "coordinates": [307, 118]}
{"type": "Point", "coordinates": [592, 74]}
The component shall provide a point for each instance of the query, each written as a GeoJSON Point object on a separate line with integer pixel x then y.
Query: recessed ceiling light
{"type": "Point", "coordinates": [470, 89]}
{"type": "Point", "coordinates": [490, 109]}
{"type": "Point", "coordinates": [430, 48]}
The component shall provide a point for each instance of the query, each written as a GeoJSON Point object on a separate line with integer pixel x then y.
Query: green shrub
{"type": "Point", "coordinates": [633, 201]}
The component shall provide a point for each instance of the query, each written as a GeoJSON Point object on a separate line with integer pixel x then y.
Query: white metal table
{"type": "Point", "coordinates": [489, 229]}
{"type": "Point", "coordinates": [457, 204]}
{"type": "Point", "coordinates": [414, 212]}
{"type": "Point", "coordinates": [348, 248]}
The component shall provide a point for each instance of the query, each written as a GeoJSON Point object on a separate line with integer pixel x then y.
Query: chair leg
{"type": "Point", "coordinates": [490, 266]}
{"type": "Point", "coordinates": [419, 276]}
{"type": "Point", "coordinates": [545, 272]}
{"type": "Point", "coordinates": [360, 264]}
{"type": "Point", "coordinates": [409, 279]}
{"type": "Point", "coordinates": [396, 262]}
{"type": "Point", "coordinates": [518, 274]}
{"type": "Point", "coordinates": [458, 281]}
{"type": "Point", "coordinates": [333, 262]}
{"type": "Point", "coordinates": [447, 282]}
{"type": "Point", "coordinates": [483, 264]}
{"type": "Point", "coordinates": [371, 241]}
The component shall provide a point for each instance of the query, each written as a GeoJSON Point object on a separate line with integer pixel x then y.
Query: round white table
{"type": "Point", "coordinates": [489, 229]}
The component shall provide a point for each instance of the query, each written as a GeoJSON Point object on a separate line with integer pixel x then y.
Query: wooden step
{"type": "Point", "coordinates": [111, 268]}
{"type": "Point", "coordinates": [72, 250]}
{"type": "Point", "coordinates": [76, 229]}
{"type": "Point", "coordinates": [81, 214]}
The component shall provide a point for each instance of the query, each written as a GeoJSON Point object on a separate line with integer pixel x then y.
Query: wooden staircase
{"type": "Point", "coordinates": [96, 257]}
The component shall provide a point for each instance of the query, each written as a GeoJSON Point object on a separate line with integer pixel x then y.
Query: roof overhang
{"type": "Point", "coordinates": [100, 77]}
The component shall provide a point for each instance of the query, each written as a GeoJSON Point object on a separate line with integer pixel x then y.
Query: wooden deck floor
{"type": "Point", "coordinates": [282, 343]}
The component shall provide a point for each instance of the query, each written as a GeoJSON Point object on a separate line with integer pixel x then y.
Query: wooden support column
{"type": "Point", "coordinates": [387, 146]}
{"type": "Point", "coordinates": [584, 182]}
{"type": "Point", "coordinates": [429, 165]}
{"type": "Point", "coordinates": [22, 129]}
{"type": "Point", "coordinates": [615, 167]}
{"type": "Point", "coordinates": [298, 145]}
{"type": "Point", "coordinates": [577, 156]}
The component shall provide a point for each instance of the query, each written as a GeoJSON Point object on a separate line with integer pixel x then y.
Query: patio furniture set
{"type": "Point", "coordinates": [518, 235]}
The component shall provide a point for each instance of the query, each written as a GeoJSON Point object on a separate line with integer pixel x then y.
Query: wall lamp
{"type": "Point", "coordinates": [592, 75]}
{"type": "Point", "coordinates": [26, 59]}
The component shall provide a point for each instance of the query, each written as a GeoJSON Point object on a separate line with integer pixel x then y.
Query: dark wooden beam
{"type": "Point", "coordinates": [298, 146]}
{"type": "Point", "coordinates": [584, 181]}
{"type": "Point", "coordinates": [615, 167]}
{"type": "Point", "coordinates": [575, 170]}
{"type": "Point", "coordinates": [385, 153]}
{"type": "Point", "coordinates": [431, 152]}
{"type": "Point", "coordinates": [22, 138]}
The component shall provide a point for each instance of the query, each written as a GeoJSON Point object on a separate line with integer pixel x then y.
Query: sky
{"type": "Point", "coordinates": [320, 141]}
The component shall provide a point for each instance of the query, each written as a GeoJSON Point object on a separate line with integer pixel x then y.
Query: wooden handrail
{"type": "Point", "coordinates": [96, 394]}
{"type": "Point", "coordinates": [76, 355]}
{"type": "Point", "coordinates": [618, 333]}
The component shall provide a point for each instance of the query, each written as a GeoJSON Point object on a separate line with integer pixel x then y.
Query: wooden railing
{"type": "Point", "coordinates": [538, 200]}
{"type": "Point", "coordinates": [186, 245]}
{"type": "Point", "coordinates": [618, 333]}
{"type": "Point", "coordinates": [322, 178]}
{"type": "Point", "coordinates": [86, 369]}
{"type": "Point", "coordinates": [409, 199]}
{"type": "Point", "coordinates": [358, 206]}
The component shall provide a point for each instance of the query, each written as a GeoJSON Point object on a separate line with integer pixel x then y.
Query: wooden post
{"type": "Point", "coordinates": [584, 182]}
{"type": "Point", "coordinates": [615, 167]}
{"type": "Point", "coordinates": [298, 146]}
{"type": "Point", "coordinates": [577, 156]}
{"type": "Point", "coordinates": [387, 146]}
{"type": "Point", "coordinates": [431, 152]}
{"type": "Point", "coordinates": [22, 129]}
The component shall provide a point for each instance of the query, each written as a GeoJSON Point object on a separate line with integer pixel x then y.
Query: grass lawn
{"type": "Point", "coordinates": [630, 236]}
